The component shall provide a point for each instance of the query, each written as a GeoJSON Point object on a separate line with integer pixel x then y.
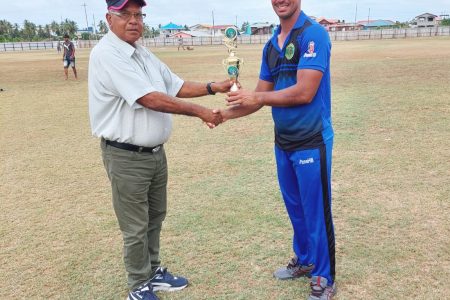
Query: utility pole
{"type": "Point", "coordinates": [87, 24]}
{"type": "Point", "coordinates": [356, 12]}
{"type": "Point", "coordinates": [214, 32]}
{"type": "Point", "coordinates": [94, 30]}
{"type": "Point", "coordinates": [368, 17]}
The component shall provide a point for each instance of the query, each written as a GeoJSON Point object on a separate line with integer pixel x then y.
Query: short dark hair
{"type": "Point", "coordinates": [66, 36]}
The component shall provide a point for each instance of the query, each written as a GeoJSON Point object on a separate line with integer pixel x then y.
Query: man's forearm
{"type": "Point", "coordinates": [284, 98]}
{"type": "Point", "coordinates": [164, 103]}
{"type": "Point", "coordinates": [192, 90]}
{"type": "Point", "coordinates": [239, 111]}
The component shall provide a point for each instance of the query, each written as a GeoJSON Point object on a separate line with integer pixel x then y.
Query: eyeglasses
{"type": "Point", "coordinates": [126, 15]}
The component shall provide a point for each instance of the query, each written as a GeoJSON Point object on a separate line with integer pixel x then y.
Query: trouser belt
{"type": "Point", "coordinates": [134, 148]}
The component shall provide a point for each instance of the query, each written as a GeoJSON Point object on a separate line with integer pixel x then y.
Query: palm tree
{"type": "Point", "coordinates": [15, 31]}
{"type": "Point", "coordinates": [70, 27]}
{"type": "Point", "coordinates": [102, 27]}
{"type": "Point", "coordinates": [48, 30]}
{"type": "Point", "coordinates": [5, 28]}
{"type": "Point", "coordinates": [29, 30]}
{"type": "Point", "coordinates": [56, 28]}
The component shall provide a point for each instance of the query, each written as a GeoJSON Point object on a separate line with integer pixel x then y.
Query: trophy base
{"type": "Point", "coordinates": [234, 88]}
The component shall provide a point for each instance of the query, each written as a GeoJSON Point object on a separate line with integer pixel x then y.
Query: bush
{"type": "Point", "coordinates": [85, 36]}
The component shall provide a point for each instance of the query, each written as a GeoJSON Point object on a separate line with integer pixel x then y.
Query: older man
{"type": "Point", "coordinates": [131, 97]}
{"type": "Point", "coordinates": [295, 82]}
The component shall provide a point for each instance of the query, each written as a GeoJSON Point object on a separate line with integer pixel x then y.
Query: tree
{"type": "Point", "coordinates": [16, 31]}
{"type": "Point", "coordinates": [445, 22]}
{"type": "Point", "coordinates": [55, 28]}
{"type": "Point", "coordinates": [48, 30]}
{"type": "Point", "coordinates": [245, 26]}
{"type": "Point", "coordinates": [6, 28]}
{"type": "Point", "coordinates": [154, 32]}
{"type": "Point", "coordinates": [70, 27]}
{"type": "Point", "coordinates": [85, 36]}
{"type": "Point", "coordinates": [41, 32]}
{"type": "Point", "coordinates": [102, 27]}
{"type": "Point", "coordinates": [147, 32]}
{"type": "Point", "coordinates": [29, 30]}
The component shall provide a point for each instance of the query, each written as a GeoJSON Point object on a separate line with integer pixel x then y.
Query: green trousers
{"type": "Point", "coordinates": [139, 195]}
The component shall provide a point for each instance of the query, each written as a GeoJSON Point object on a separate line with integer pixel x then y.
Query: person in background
{"type": "Point", "coordinates": [69, 57]}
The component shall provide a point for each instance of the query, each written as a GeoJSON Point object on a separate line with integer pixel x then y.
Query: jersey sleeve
{"type": "Point", "coordinates": [265, 73]}
{"type": "Point", "coordinates": [315, 49]}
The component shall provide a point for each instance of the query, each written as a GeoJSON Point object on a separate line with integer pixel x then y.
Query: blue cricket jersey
{"type": "Point", "coordinates": [307, 46]}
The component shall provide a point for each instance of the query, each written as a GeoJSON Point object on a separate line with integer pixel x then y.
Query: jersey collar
{"type": "Point", "coordinates": [300, 22]}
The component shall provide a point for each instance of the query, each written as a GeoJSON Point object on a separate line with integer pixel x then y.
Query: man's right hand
{"type": "Point", "coordinates": [212, 118]}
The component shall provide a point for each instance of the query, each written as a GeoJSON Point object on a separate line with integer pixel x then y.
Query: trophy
{"type": "Point", "coordinates": [232, 63]}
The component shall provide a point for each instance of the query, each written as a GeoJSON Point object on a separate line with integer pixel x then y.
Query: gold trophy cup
{"type": "Point", "coordinates": [232, 63]}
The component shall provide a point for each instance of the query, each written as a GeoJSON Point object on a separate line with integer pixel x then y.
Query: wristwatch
{"type": "Point", "coordinates": [209, 89]}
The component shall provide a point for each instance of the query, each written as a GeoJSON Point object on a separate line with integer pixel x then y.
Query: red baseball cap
{"type": "Point", "coordinates": [119, 4]}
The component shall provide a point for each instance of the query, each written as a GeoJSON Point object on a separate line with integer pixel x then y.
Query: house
{"type": "Point", "coordinates": [425, 20]}
{"type": "Point", "coordinates": [327, 22]}
{"type": "Point", "coordinates": [377, 24]}
{"type": "Point", "coordinates": [170, 29]}
{"type": "Point", "coordinates": [338, 25]}
{"type": "Point", "coordinates": [219, 30]}
{"type": "Point", "coordinates": [344, 27]}
{"type": "Point", "coordinates": [260, 29]}
{"type": "Point", "coordinates": [201, 27]}
{"type": "Point", "coordinates": [191, 34]}
{"type": "Point", "coordinates": [80, 32]}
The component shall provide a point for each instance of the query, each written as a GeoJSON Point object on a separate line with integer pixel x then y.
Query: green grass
{"type": "Point", "coordinates": [227, 229]}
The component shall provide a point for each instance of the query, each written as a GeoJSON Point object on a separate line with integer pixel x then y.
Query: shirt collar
{"type": "Point", "coordinates": [122, 45]}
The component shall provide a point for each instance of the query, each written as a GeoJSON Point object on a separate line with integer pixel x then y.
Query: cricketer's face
{"type": "Point", "coordinates": [285, 8]}
{"type": "Point", "coordinates": [127, 29]}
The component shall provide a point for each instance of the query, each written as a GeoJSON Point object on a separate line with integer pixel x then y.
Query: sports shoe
{"type": "Point", "coordinates": [143, 292]}
{"type": "Point", "coordinates": [293, 270]}
{"type": "Point", "coordinates": [320, 290]}
{"type": "Point", "coordinates": [164, 281]}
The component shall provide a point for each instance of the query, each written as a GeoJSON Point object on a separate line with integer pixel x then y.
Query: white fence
{"type": "Point", "coordinates": [397, 33]}
{"type": "Point", "coordinates": [254, 39]}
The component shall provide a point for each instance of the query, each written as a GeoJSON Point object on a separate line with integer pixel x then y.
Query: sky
{"type": "Point", "coordinates": [226, 12]}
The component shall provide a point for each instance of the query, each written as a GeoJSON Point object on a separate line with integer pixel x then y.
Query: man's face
{"type": "Point", "coordinates": [285, 8]}
{"type": "Point", "coordinates": [127, 27]}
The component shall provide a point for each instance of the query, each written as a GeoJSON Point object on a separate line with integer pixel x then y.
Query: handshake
{"type": "Point", "coordinates": [214, 117]}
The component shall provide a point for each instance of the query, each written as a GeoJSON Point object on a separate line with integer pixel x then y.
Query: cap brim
{"type": "Point", "coordinates": [119, 7]}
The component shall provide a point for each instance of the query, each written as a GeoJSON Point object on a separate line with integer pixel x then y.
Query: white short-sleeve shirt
{"type": "Point", "coordinates": [120, 74]}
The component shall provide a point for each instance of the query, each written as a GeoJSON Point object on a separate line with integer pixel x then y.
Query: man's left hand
{"type": "Point", "coordinates": [242, 97]}
{"type": "Point", "coordinates": [223, 86]}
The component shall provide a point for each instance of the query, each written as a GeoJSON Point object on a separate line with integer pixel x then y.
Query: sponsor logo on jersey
{"type": "Point", "coordinates": [311, 50]}
{"type": "Point", "coordinates": [306, 161]}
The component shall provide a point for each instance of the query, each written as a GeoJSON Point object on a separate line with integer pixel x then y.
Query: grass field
{"type": "Point", "coordinates": [227, 229]}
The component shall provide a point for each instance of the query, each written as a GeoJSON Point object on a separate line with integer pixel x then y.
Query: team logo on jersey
{"type": "Point", "coordinates": [311, 50]}
{"type": "Point", "coordinates": [290, 51]}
